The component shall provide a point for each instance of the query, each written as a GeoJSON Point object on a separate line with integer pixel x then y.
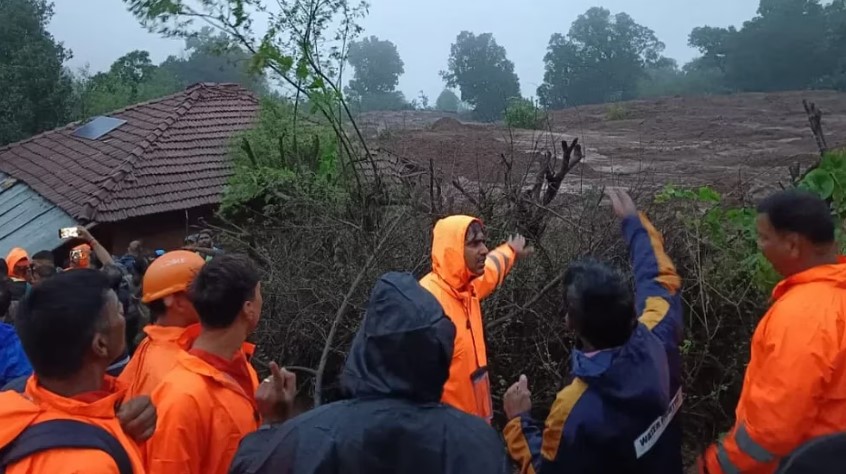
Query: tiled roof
{"type": "Point", "coordinates": [171, 154]}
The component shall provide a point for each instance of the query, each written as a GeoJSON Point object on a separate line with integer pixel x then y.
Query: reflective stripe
{"type": "Point", "coordinates": [507, 260]}
{"type": "Point", "coordinates": [750, 446]}
{"type": "Point", "coordinates": [725, 463]}
{"type": "Point", "coordinates": [649, 438]}
{"type": "Point", "coordinates": [492, 257]}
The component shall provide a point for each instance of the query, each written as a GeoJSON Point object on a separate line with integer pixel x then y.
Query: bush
{"type": "Point", "coordinates": [617, 112]}
{"type": "Point", "coordinates": [524, 113]}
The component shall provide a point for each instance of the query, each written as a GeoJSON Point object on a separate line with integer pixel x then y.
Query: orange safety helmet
{"type": "Point", "coordinates": [15, 256]}
{"type": "Point", "coordinates": [171, 273]}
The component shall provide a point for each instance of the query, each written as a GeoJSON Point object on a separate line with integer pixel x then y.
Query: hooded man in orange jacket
{"type": "Point", "coordinates": [795, 384]}
{"type": "Point", "coordinates": [211, 398]}
{"type": "Point", "coordinates": [463, 273]}
{"type": "Point", "coordinates": [165, 292]}
{"type": "Point", "coordinates": [71, 328]}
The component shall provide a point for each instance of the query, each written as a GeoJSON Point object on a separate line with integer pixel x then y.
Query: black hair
{"type": "Point", "coordinates": [58, 320]}
{"type": "Point", "coordinates": [4, 267]}
{"type": "Point", "coordinates": [221, 288]}
{"type": "Point", "coordinates": [801, 212]}
{"type": "Point", "coordinates": [157, 309]}
{"type": "Point", "coordinates": [599, 303]}
{"type": "Point", "coordinates": [5, 295]}
{"type": "Point", "coordinates": [44, 271]}
{"type": "Point", "coordinates": [44, 255]}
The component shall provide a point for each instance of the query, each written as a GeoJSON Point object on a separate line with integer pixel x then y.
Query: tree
{"type": "Point", "coordinates": [131, 79]}
{"type": "Point", "coordinates": [214, 57]}
{"type": "Point", "coordinates": [447, 101]}
{"type": "Point", "coordinates": [478, 66]}
{"type": "Point", "coordinates": [601, 59]}
{"type": "Point", "coordinates": [790, 44]}
{"type": "Point", "coordinates": [34, 87]}
{"type": "Point", "coordinates": [377, 65]}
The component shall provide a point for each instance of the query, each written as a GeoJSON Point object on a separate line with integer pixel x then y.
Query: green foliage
{"type": "Point", "coordinates": [728, 232]}
{"type": "Point", "coordinates": [828, 180]}
{"type": "Point", "coordinates": [131, 79]}
{"type": "Point", "coordinates": [35, 90]}
{"type": "Point", "coordinates": [790, 44]}
{"type": "Point", "coordinates": [283, 156]}
{"type": "Point", "coordinates": [211, 57]}
{"type": "Point", "coordinates": [447, 102]}
{"type": "Point", "coordinates": [380, 101]}
{"type": "Point", "coordinates": [524, 113]}
{"type": "Point", "coordinates": [478, 66]}
{"type": "Point", "coordinates": [601, 59]}
{"type": "Point", "coordinates": [377, 65]}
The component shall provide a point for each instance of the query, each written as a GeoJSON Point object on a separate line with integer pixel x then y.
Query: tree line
{"type": "Point", "coordinates": [39, 93]}
{"type": "Point", "coordinates": [604, 57]}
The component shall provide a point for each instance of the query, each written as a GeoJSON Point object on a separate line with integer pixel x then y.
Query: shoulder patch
{"type": "Point", "coordinates": [561, 408]}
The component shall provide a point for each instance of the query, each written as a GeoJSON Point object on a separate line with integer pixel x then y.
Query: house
{"type": "Point", "coordinates": [148, 171]}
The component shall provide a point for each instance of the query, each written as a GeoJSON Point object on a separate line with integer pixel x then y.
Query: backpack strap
{"type": "Point", "coordinates": [64, 434]}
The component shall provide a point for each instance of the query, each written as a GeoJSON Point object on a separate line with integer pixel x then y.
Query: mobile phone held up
{"type": "Point", "coordinates": [68, 233]}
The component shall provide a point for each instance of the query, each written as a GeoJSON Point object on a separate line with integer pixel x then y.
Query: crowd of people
{"type": "Point", "coordinates": [80, 397]}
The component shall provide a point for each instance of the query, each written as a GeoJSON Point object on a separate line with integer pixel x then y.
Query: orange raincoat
{"type": "Point", "coordinates": [19, 411]}
{"type": "Point", "coordinates": [155, 357]}
{"type": "Point", "coordinates": [795, 384]}
{"type": "Point", "coordinates": [202, 415]}
{"type": "Point", "coordinates": [468, 387]}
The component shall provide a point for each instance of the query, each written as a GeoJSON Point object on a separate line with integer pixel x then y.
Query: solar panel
{"type": "Point", "coordinates": [98, 127]}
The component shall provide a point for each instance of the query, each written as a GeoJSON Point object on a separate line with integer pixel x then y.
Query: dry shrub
{"type": "Point", "coordinates": [315, 252]}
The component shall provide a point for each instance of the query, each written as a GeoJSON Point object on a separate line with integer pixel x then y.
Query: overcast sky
{"type": "Point", "coordinates": [100, 31]}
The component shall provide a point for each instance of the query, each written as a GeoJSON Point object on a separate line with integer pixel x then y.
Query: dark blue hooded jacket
{"type": "Point", "coordinates": [619, 414]}
{"type": "Point", "coordinates": [394, 422]}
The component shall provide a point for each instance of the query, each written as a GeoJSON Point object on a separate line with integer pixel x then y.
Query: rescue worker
{"type": "Point", "coordinates": [463, 274]}
{"type": "Point", "coordinates": [207, 402]}
{"type": "Point", "coordinates": [18, 265]}
{"type": "Point", "coordinates": [618, 415]}
{"type": "Point", "coordinates": [71, 416]}
{"type": "Point", "coordinates": [394, 421]}
{"type": "Point", "coordinates": [794, 388]}
{"type": "Point", "coordinates": [80, 257]}
{"type": "Point", "coordinates": [165, 290]}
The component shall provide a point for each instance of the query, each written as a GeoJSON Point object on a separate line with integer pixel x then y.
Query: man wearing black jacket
{"type": "Point", "coordinates": [394, 422]}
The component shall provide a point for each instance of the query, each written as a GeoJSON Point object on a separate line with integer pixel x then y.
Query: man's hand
{"type": "Point", "coordinates": [138, 418]}
{"type": "Point", "coordinates": [275, 396]}
{"type": "Point", "coordinates": [84, 234]}
{"type": "Point", "coordinates": [518, 245]}
{"type": "Point", "coordinates": [517, 399]}
{"type": "Point", "coordinates": [621, 202]}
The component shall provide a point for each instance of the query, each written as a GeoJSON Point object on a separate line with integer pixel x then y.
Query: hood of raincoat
{"type": "Point", "coordinates": [448, 250]}
{"type": "Point", "coordinates": [834, 274]}
{"type": "Point", "coordinates": [404, 346]}
{"type": "Point", "coordinates": [15, 256]}
{"type": "Point", "coordinates": [635, 374]}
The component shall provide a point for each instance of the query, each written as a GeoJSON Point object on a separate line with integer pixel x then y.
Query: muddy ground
{"type": "Point", "coordinates": [739, 144]}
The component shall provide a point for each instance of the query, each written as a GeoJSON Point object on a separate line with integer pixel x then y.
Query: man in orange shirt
{"type": "Point", "coordinates": [207, 402]}
{"type": "Point", "coordinates": [69, 417]}
{"type": "Point", "coordinates": [463, 274]}
{"type": "Point", "coordinates": [795, 384]}
{"type": "Point", "coordinates": [165, 290]}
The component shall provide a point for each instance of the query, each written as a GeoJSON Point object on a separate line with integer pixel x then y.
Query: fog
{"type": "Point", "coordinates": [100, 31]}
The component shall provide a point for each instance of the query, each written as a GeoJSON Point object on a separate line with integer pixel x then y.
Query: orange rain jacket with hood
{"type": "Point", "coordinates": [155, 357]}
{"type": "Point", "coordinates": [468, 386]}
{"type": "Point", "coordinates": [21, 410]}
{"type": "Point", "coordinates": [202, 415]}
{"type": "Point", "coordinates": [795, 385]}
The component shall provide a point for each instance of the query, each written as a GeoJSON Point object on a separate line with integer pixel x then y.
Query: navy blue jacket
{"type": "Point", "coordinates": [619, 414]}
{"type": "Point", "coordinates": [394, 422]}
